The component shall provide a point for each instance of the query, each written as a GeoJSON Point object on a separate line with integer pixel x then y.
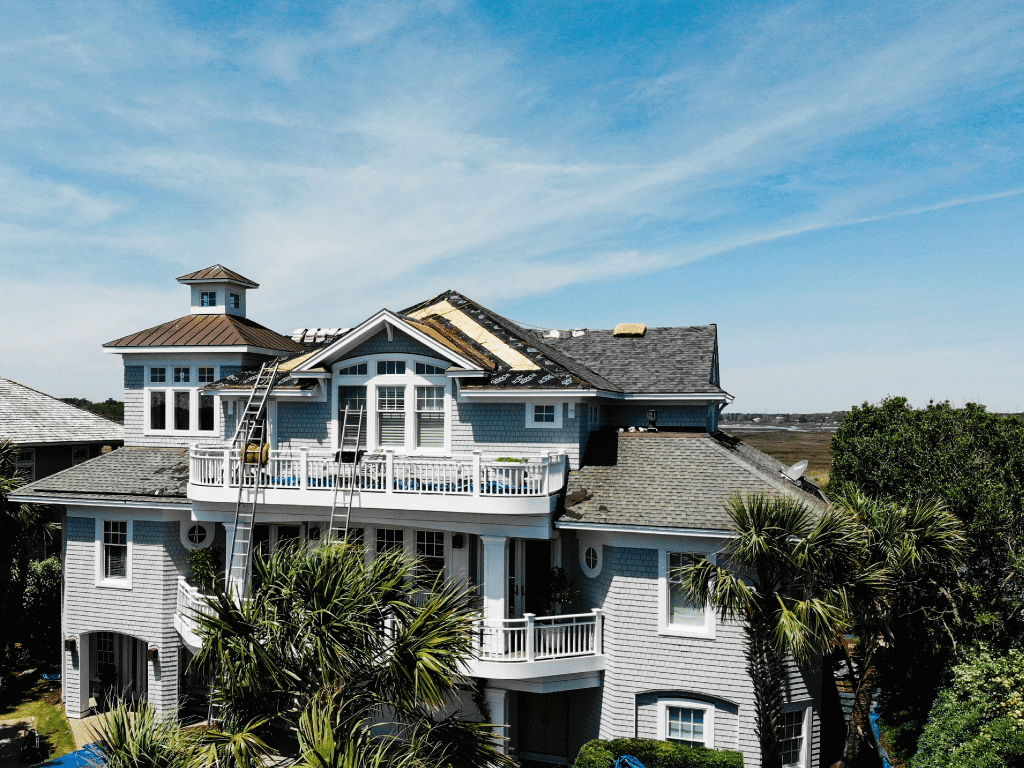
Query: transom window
{"type": "Point", "coordinates": [182, 374]}
{"type": "Point", "coordinates": [389, 539]}
{"type": "Point", "coordinates": [206, 375]}
{"type": "Point", "coordinates": [157, 375]}
{"type": "Point", "coordinates": [391, 415]}
{"type": "Point", "coordinates": [234, 301]}
{"type": "Point", "coordinates": [426, 369]}
{"type": "Point", "coordinates": [207, 298]}
{"type": "Point", "coordinates": [681, 611]}
{"type": "Point", "coordinates": [544, 414]}
{"type": "Point", "coordinates": [357, 369]}
{"type": "Point", "coordinates": [791, 742]}
{"type": "Point", "coordinates": [391, 367]}
{"type": "Point", "coordinates": [685, 726]}
{"type": "Point", "coordinates": [430, 551]}
{"type": "Point", "coordinates": [115, 549]}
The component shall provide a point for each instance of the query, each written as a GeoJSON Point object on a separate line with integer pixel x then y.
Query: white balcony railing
{"type": "Point", "coordinates": [304, 470]}
{"type": "Point", "coordinates": [537, 638]}
{"type": "Point", "coordinates": [191, 603]}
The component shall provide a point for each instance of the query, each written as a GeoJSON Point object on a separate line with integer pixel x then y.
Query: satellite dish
{"type": "Point", "coordinates": [795, 472]}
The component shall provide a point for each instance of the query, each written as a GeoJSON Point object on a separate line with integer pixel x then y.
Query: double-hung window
{"type": "Point", "coordinates": [679, 614]}
{"type": "Point", "coordinates": [430, 417]}
{"type": "Point", "coordinates": [793, 738]}
{"type": "Point", "coordinates": [430, 551]}
{"type": "Point", "coordinates": [391, 415]}
{"type": "Point", "coordinates": [115, 550]}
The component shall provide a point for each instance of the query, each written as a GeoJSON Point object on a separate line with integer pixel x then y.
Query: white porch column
{"type": "Point", "coordinates": [81, 665]}
{"type": "Point", "coordinates": [497, 703]}
{"type": "Point", "coordinates": [495, 576]}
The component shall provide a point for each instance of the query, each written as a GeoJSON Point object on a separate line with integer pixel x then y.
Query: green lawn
{"type": "Point", "coordinates": [26, 698]}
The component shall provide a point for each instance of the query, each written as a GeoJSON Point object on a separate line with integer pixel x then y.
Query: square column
{"type": "Point", "coordinates": [497, 703]}
{"type": "Point", "coordinates": [495, 572]}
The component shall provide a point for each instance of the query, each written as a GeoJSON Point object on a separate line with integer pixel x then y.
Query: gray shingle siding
{"type": "Point", "coordinates": [669, 415]}
{"type": "Point", "coordinates": [642, 666]}
{"type": "Point", "coordinates": [146, 611]}
{"type": "Point", "coordinates": [403, 344]}
{"type": "Point", "coordinates": [133, 376]}
{"type": "Point", "coordinates": [303, 424]}
{"type": "Point", "coordinates": [500, 429]}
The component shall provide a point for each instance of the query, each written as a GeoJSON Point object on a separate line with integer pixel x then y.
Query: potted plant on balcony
{"type": "Point", "coordinates": [205, 568]}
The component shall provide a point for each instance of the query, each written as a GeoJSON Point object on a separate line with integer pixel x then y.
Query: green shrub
{"type": "Point", "coordinates": [655, 754]}
{"type": "Point", "coordinates": [978, 721]}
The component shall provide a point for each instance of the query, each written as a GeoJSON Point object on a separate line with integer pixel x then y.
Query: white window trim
{"type": "Point", "coordinates": [186, 526]}
{"type": "Point", "coordinates": [556, 424]}
{"type": "Point", "coordinates": [709, 718]}
{"type": "Point", "coordinates": [664, 627]}
{"type": "Point", "coordinates": [192, 387]}
{"type": "Point", "coordinates": [102, 582]}
{"type": "Point", "coordinates": [805, 746]}
{"type": "Point", "coordinates": [586, 542]}
{"type": "Point", "coordinates": [410, 380]}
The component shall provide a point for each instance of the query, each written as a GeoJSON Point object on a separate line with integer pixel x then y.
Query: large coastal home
{"type": "Point", "coordinates": [492, 452]}
{"type": "Point", "coordinates": [51, 435]}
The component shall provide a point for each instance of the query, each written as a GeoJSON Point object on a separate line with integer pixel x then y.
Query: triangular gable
{"type": "Point", "coordinates": [386, 321]}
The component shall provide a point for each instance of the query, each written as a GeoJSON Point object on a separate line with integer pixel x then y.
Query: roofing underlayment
{"type": "Point", "coordinates": [29, 417]}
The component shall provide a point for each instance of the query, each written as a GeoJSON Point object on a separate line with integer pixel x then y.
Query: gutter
{"type": "Point", "coordinates": [64, 501]}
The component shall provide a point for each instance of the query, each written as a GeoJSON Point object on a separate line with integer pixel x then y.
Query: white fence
{"type": "Point", "coordinates": [307, 470]}
{"type": "Point", "coordinates": [535, 638]}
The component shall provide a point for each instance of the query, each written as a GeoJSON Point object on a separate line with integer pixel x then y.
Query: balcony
{"type": "Point", "coordinates": [528, 486]}
{"type": "Point", "coordinates": [510, 649]}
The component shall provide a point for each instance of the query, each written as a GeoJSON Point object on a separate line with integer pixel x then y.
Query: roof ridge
{"type": "Point", "coordinates": [59, 400]}
{"type": "Point", "coordinates": [753, 469]}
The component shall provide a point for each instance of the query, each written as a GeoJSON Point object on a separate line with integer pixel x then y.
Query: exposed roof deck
{"type": "Point", "coordinates": [29, 417]}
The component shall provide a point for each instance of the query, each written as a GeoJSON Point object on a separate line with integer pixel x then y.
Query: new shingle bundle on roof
{"type": "Point", "coordinates": [675, 480]}
{"type": "Point", "coordinates": [29, 417]}
{"type": "Point", "coordinates": [126, 474]}
{"type": "Point", "coordinates": [209, 331]}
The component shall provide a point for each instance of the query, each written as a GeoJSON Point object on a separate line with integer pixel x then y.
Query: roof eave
{"type": "Point", "coordinates": [239, 348]}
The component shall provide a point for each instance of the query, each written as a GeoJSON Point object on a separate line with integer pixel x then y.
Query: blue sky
{"type": "Point", "coordinates": [838, 186]}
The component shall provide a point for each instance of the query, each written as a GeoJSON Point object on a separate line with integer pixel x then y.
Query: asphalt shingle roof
{"type": "Point", "coordinates": [675, 480]}
{"type": "Point", "coordinates": [29, 417]}
{"type": "Point", "coordinates": [125, 474]}
{"type": "Point", "coordinates": [208, 331]}
{"type": "Point", "coordinates": [662, 360]}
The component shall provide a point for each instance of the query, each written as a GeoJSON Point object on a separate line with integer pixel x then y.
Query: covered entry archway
{"type": "Point", "coordinates": [115, 666]}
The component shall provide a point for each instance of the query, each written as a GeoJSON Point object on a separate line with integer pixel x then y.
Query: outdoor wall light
{"type": "Point", "coordinates": [151, 654]}
{"type": "Point", "coordinates": [69, 644]}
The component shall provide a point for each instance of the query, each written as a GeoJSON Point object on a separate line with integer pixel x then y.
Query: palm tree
{"type": "Point", "coordinates": [333, 647]}
{"type": "Point", "coordinates": [918, 549]}
{"type": "Point", "coordinates": [783, 575]}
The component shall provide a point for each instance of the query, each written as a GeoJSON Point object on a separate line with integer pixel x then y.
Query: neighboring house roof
{"type": "Point", "coordinates": [126, 474]}
{"type": "Point", "coordinates": [671, 480]}
{"type": "Point", "coordinates": [661, 360]}
{"type": "Point", "coordinates": [209, 331]}
{"type": "Point", "coordinates": [29, 417]}
{"type": "Point", "coordinates": [217, 273]}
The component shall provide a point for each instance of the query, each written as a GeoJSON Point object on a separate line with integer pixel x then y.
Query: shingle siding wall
{"type": "Point", "coordinates": [303, 425]}
{"type": "Point", "coordinates": [499, 429]}
{"type": "Point", "coordinates": [642, 666]}
{"type": "Point", "coordinates": [402, 345]}
{"type": "Point", "coordinates": [669, 415]}
{"type": "Point", "coordinates": [146, 611]}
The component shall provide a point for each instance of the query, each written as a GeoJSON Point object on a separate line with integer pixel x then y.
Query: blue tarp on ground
{"type": "Point", "coordinates": [82, 758]}
{"type": "Point", "coordinates": [873, 718]}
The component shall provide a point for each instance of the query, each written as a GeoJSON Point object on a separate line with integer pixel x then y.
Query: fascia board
{"type": "Point", "coordinates": [171, 349]}
{"type": "Point", "coordinates": [514, 395]}
{"type": "Point", "coordinates": [371, 326]}
{"type": "Point", "coordinates": [678, 396]}
{"type": "Point", "coordinates": [115, 503]}
{"type": "Point", "coordinates": [706, 533]}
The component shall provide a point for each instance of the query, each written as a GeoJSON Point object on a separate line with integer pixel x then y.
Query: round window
{"type": "Point", "coordinates": [590, 557]}
{"type": "Point", "coordinates": [196, 535]}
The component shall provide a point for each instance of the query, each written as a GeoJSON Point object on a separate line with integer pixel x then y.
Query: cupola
{"type": "Point", "coordinates": [218, 290]}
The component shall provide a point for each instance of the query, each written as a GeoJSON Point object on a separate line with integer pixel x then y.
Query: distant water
{"type": "Point", "coordinates": [746, 426]}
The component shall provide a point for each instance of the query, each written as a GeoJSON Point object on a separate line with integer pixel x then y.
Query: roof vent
{"type": "Point", "coordinates": [577, 332]}
{"type": "Point", "coordinates": [630, 329]}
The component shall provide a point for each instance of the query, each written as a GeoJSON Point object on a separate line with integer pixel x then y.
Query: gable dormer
{"type": "Point", "coordinates": [218, 290]}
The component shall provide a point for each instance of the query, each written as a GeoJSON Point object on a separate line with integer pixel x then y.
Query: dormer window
{"type": "Point", "coordinates": [391, 367]}
{"type": "Point", "coordinates": [234, 301]}
{"type": "Point", "coordinates": [207, 298]}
